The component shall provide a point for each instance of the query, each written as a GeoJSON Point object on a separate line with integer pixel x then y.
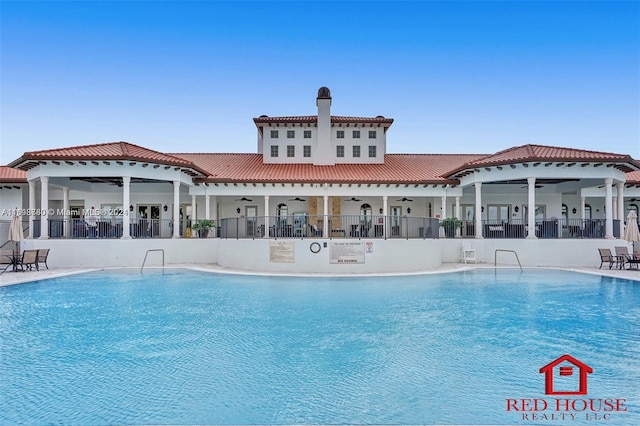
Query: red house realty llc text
{"type": "Point", "coordinates": [566, 380]}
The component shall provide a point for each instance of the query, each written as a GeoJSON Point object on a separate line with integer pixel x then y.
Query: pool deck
{"type": "Point", "coordinates": [11, 278]}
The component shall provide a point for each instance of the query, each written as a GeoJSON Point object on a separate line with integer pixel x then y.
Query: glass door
{"type": "Point", "coordinates": [396, 220]}
{"type": "Point", "coordinates": [250, 214]}
{"type": "Point", "coordinates": [148, 220]}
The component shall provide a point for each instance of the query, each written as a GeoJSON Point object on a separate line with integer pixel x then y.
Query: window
{"type": "Point", "coordinates": [372, 134]}
{"type": "Point", "coordinates": [340, 151]}
{"type": "Point", "coordinates": [291, 151]}
{"type": "Point", "coordinates": [274, 134]}
{"type": "Point", "coordinates": [498, 213]}
{"type": "Point", "coordinates": [306, 151]}
{"type": "Point", "coordinates": [356, 134]}
{"type": "Point", "coordinates": [340, 134]}
{"type": "Point", "coordinates": [274, 150]}
{"type": "Point", "coordinates": [372, 151]}
{"type": "Point", "coordinates": [307, 134]}
{"type": "Point", "coordinates": [291, 134]}
{"type": "Point", "coordinates": [587, 211]}
{"type": "Point", "coordinates": [356, 151]}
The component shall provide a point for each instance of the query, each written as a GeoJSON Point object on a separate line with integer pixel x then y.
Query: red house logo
{"type": "Point", "coordinates": [565, 372]}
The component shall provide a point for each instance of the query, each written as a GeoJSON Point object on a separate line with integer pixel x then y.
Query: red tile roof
{"type": "Point", "coordinates": [11, 175]}
{"type": "Point", "coordinates": [314, 119]}
{"type": "Point", "coordinates": [105, 151]}
{"type": "Point", "coordinates": [527, 153]}
{"type": "Point", "coordinates": [633, 178]}
{"type": "Point", "coordinates": [397, 168]}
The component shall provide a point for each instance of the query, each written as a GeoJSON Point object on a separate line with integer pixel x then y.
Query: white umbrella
{"type": "Point", "coordinates": [631, 233]}
{"type": "Point", "coordinates": [15, 231]}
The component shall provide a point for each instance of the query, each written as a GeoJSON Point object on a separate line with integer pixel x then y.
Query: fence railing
{"type": "Point", "coordinates": [312, 226]}
{"type": "Point", "coordinates": [337, 226]}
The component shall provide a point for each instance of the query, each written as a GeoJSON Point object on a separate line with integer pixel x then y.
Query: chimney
{"type": "Point", "coordinates": [324, 153]}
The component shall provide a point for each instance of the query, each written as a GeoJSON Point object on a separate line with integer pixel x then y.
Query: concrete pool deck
{"type": "Point", "coordinates": [11, 278]}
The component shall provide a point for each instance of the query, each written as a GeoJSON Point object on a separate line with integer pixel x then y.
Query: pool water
{"type": "Point", "coordinates": [188, 347]}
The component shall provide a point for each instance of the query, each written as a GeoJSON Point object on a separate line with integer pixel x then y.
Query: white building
{"type": "Point", "coordinates": [325, 178]}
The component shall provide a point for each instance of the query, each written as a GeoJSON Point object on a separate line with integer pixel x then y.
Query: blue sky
{"type": "Point", "coordinates": [457, 77]}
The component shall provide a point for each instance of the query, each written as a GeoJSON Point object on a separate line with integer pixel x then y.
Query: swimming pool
{"type": "Point", "coordinates": [190, 347]}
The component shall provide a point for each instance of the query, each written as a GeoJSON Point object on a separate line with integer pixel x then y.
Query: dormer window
{"type": "Point", "coordinates": [291, 134]}
{"type": "Point", "coordinates": [356, 134]}
{"type": "Point", "coordinates": [274, 134]}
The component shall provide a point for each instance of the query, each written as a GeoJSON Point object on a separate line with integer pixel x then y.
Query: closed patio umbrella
{"type": "Point", "coordinates": [15, 231]}
{"type": "Point", "coordinates": [631, 233]}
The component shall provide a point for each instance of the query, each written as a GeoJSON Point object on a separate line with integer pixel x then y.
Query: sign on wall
{"type": "Point", "coordinates": [346, 252]}
{"type": "Point", "coordinates": [281, 252]}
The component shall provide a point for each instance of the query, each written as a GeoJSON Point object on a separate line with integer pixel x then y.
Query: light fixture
{"type": "Point", "coordinates": [482, 209]}
{"type": "Point", "coordinates": [165, 208]}
{"type": "Point", "coordinates": [408, 210]}
{"type": "Point", "coordinates": [238, 210]}
{"type": "Point", "coordinates": [381, 210]}
{"type": "Point", "coordinates": [131, 208]}
{"type": "Point", "coordinates": [574, 211]}
{"type": "Point", "coordinates": [516, 209]}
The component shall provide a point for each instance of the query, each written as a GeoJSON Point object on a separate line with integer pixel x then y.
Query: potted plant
{"type": "Point", "coordinates": [450, 225]}
{"type": "Point", "coordinates": [203, 226]}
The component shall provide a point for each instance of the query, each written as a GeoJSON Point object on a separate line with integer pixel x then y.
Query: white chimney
{"type": "Point", "coordinates": [324, 154]}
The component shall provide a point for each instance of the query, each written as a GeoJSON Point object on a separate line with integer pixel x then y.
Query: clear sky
{"type": "Point", "coordinates": [457, 77]}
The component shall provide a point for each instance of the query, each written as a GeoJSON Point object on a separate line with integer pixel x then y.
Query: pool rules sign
{"type": "Point", "coordinates": [345, 253]}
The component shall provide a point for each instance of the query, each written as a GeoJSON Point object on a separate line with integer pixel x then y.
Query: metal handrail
{"type": "Point", "coordinates": [147, 253]}
{"type": "Point", "coordinates": [495, 257]}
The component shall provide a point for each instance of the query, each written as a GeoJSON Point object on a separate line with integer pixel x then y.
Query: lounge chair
{"type": "Point", "coordinates": [606, 256]}
{"type": "Point", "coordinates": [6, 259]}
{"type": "Point", "coordinates": [468, 252]}
{"type": "Point", "coordinates": [42, 257]}
{"type": "Point", "coordinates": [625, 257]}
{"type": "Point", "coordinates": [29, 259]}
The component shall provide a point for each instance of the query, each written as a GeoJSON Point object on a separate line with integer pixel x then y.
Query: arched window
{"type": "Point", "coordinates": [282, 211]}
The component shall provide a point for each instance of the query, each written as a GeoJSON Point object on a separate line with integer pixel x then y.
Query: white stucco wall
{"type": "Point", "coordinates": [387, 256]}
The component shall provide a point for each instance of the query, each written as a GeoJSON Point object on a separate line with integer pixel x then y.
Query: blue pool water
{"type": "Point", "coordinates": [187, 347]}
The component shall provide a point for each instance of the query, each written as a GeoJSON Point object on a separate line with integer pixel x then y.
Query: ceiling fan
{"type": "Point", "coordinates": [405, 199]}
{"type": "Point", "coordinates": [353, 199]}
{"type": "Point", "coordinates": [243, 199]}
{"type": "Point", "coordinates": [297, 199]}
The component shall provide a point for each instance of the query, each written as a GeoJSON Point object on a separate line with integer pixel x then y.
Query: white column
{"type": "Point", "coordinates": [608, 206]}
{"type": "Point", "coordinates": [126, 202]}
{"type": "Point", "coordinates": [32, 205]}
{"type": "Point", "coordinates": [207, 206]}
{"type": "Point", "coordinates": [325, 211]}
{"type": "Point", "coordinates": [443, 202]}
{"type": "Point", "coordinates": [194, 216]}
{"type": "Point", "coordinates": [66, 215]}
{"type": "Point", "coordinates": [44, 207]}
{"type": "Point", "coordinates": [531, 208]}
{"type": "Point", "coordinates": [583, 209]}
{"type": "Point", "coordinates": [214, 214]}
{"type": "Point", "coordinates": [478, 209]}
{"type": "Point", "coordinates": [176, 209]}
{"type": "Point", "coordinates": [457, 215]}
{"type": "Point", "coordinates": [385, 211]}
{"type": "Point", "coordinates": [621, 213]}
{"type": "Point", "coordinates": [266, 217]}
